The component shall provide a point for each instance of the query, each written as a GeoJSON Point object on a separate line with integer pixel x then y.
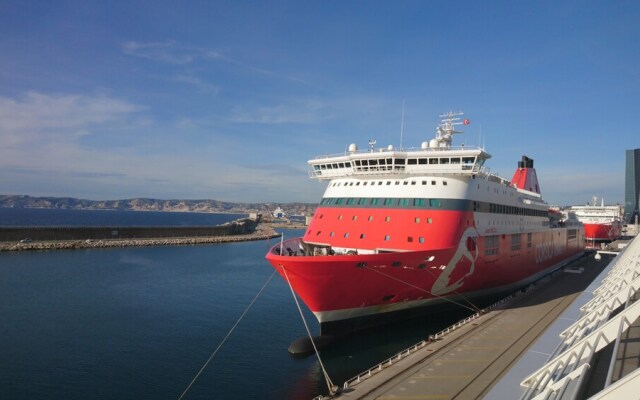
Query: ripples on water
{"type": "Point", "coordinates": [138, 323]}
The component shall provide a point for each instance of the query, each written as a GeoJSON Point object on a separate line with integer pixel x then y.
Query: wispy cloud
{"type": "Point", "coordinates": [44, 145]}
{"type": "Point", "coordinates": [172, 52]}
{"type": "Point", "coordinates": [296, 112]}
{"type": "Point", "coordinates": [44, 117]}
{"type": "Point", "coordinates": [196, 82]}
{"type": "Point", "coordinates": [165, 52]}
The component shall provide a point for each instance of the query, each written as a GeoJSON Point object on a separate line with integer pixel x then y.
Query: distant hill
{"type": "Point", "coordinates": [143, 204]}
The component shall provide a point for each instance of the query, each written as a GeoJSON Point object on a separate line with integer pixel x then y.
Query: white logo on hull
{"type": "Point", "coordinates": [442, 285]}
{"type": "Point", "coordinates": [546, 251]}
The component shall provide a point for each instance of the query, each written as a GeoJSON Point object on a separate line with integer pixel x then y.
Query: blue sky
{"type": "Point", "coordinates": [229, 99]}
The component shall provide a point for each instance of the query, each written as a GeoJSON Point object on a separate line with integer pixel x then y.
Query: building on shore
{"type": "Point", "coordinates": [632, 187]}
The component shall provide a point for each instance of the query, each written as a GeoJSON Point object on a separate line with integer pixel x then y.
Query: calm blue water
{"type": "Point", "coordinates": [138, 323]}
{"type": "Point", "coordinates": [52, 217]}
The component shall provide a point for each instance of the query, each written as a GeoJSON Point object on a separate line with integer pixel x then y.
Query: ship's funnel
{"type": "Point", "coordinates": [525, 176]}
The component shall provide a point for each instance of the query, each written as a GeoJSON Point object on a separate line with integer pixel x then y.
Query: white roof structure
{"type": "Point", "coordinates": [603, 341]}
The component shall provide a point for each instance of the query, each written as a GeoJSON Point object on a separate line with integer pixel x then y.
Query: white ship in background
{"type": "Point", "coordinates": [601, 223]}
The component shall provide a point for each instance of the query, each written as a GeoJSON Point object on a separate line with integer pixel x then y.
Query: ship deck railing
{"type": "Point", "coordinates": [376, 170]}
{"type": "Point", "coordinates": [394, 150]}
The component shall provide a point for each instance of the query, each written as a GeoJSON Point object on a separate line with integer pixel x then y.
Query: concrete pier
{"type": "Point", "coordinates": [467, 362]}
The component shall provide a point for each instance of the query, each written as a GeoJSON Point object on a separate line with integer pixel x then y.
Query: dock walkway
{"type": "Point", "coordinates": [467, 362]}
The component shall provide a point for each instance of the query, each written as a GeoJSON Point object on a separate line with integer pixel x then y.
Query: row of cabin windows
{"type": "Point", "coordinates": [387, 202]}
{"type": "Point", "coordinates": [386, 219]}
{"type": "Point", "coordinates": [492, 243]}
{"type": "Point", "coordinates": [397, 183]}
{"type": "Point", "coordinates": [433, 203]}
{"type": "Point", "coordinates": [513, 210]}
{"type": "Point", "coordinates": [363, 236]}
{"type": "Point", "coordinates": [398, 161]}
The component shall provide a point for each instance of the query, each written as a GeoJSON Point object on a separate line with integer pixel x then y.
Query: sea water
{"type": "Point", "coordinates": [139, 323]}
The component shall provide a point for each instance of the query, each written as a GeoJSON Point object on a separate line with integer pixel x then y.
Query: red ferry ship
{"type": "Point", "coordinates": [601, 223]}
{"type": "Point", "coordinates": [401, 230]}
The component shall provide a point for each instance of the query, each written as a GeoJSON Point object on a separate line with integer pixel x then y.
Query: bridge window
{"type": "Point", "coordinates": [468, 160]}
{"type": "Point", "coordinates": [412, 161]}
{"type": "Point", "coordinates": [455, 160]}
{"type": "Point", "coordinates": [423, 161]}
{"type": "Point", "coordinates": [433, 161]}
{"type": "Point", "coordinates": [444, 161]}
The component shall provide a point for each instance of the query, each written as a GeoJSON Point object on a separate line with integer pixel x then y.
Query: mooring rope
{"type": "Point", "coordinates": [477, 309]}
{"type": "Point", "coordinates": [474, 309]}
{"type": "Point", "coordinates": [227, 336]}
{"type": "Point", "coordinates": [330, 385]}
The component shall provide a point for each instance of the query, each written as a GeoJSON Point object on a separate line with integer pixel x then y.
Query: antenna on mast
{"type": "Point", "coordinates": [401, 125]}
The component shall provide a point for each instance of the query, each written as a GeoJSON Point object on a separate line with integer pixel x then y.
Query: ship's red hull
{"type": "Point", "coordinates": [344, 287]}
{"type": "Point", "coordinates": [602, 232]}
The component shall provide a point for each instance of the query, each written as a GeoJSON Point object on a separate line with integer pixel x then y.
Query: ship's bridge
{"type": "Point", "coordinates": [427, 160]}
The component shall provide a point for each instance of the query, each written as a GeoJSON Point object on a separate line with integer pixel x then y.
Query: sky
{"type": "Point", "coordinates": [227, 100]}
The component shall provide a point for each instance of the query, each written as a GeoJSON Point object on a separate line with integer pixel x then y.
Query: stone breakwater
{"type": "Point", "coordinates": [262, 232]}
